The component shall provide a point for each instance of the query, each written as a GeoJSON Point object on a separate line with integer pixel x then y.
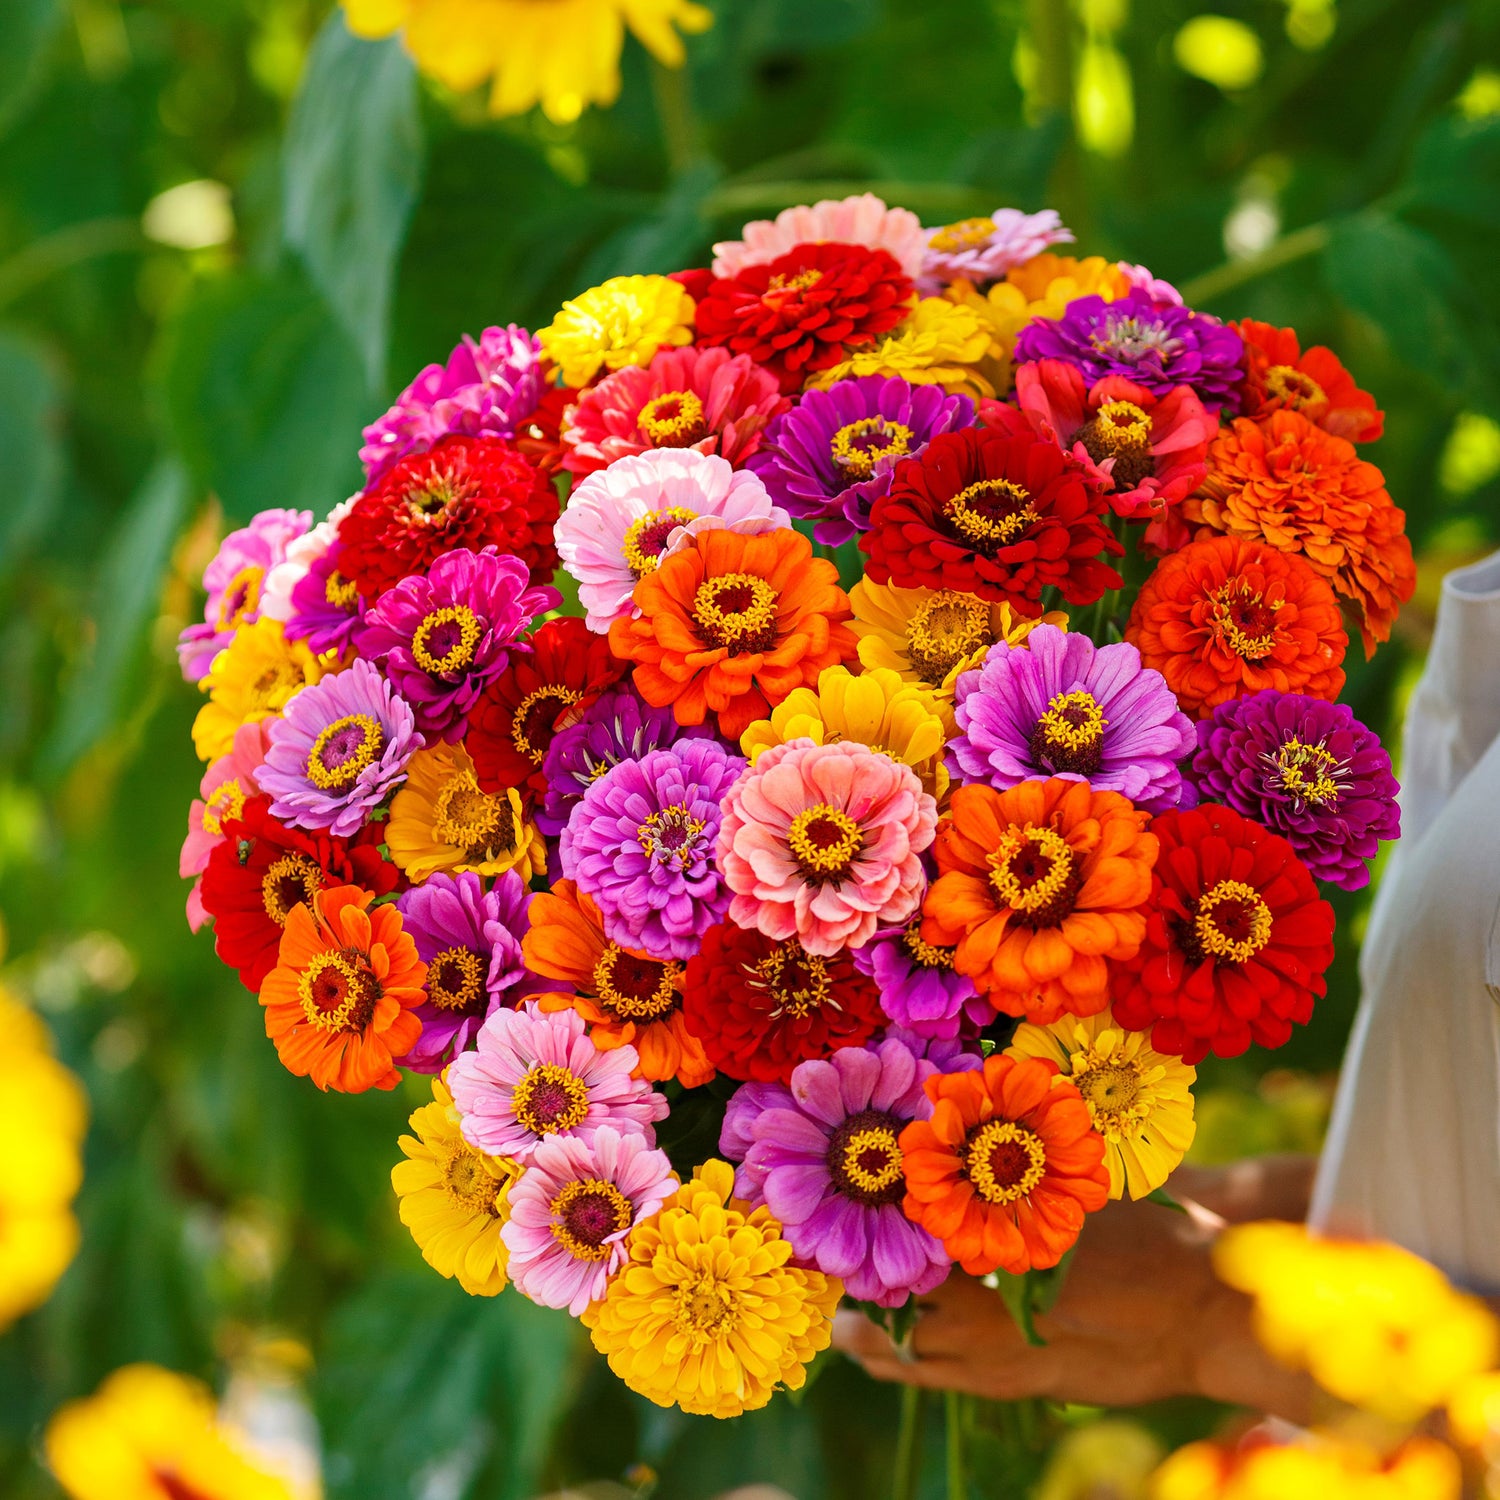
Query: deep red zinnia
{"type": "Point", "coordinates": [1001, 515]}
{"type": "Point", "coordinates": [761, 1007]}
{"type": "Point", "coordinates": [1237, 939]}
{"type": "Point", "coordinates": [261, 869]}
{"type": "Point", "coordinates": [464, 492]}
{"type": "Point", "coordinates": [799, 313]}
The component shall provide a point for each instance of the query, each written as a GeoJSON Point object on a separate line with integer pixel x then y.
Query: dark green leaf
{"type": "Point", "coordinates": [26, 30]}
{"type": "Point", "coordinates": [1455, 170]}
{"type": "Point", "coordinates": [29, 440]}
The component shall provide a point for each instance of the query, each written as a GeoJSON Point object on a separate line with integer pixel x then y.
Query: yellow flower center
{"type": "Point", "coordinates": [946, 630]}
{"type": "Point", "coordinates": [242, 598]}
{"type": "Point", "coordinates": [966, 234]}
{"type": "Point", "coordinates": [929, 955]}
{"type": "Point", "coordinates": [222, 805]}
{"type": "Point", "coordinates": [672, 420]}
{"type": "Point", "coordinates": [736, 610]}
{"type": "Point", "coordinates": [1034, 873]}
{"type": "Point", "coordinates": [1069, 736]}
{"type": "Point", "coordinates": [1290, 385]}
{"type": "Point", "coordinates": [796, 981]}
{"type": "Point", "coordinates": [858, 446]}
{"type": "Point", "coordinates": [468, 1184]}
{"type": "Point", "coordinates": [1116, 1084]}
{"type": "Point", "coordinates": [585, 1214]}
{"type": "Point", "coordinates": [801, 281]}
{"type": "Point", "coordinates": [434, 494]}
{"type": "Point", "coordinates": [1004, 1161]}
{"type": "Point", "coordinates": [292, 880]}
{"type": "Point", "coordinates": [824, 841]}
{"type": "Point", "coordinates": [469, 819]}
{"type": "Point", "coordinates": [1123, 427]}
{"type": "Point", "coordinates": [456, 979]}
{"type": "Point", "coordinates": [635, 988]}
{"type": "Point", "coordinates": [1306, 773]}
{"type": "Point", "coordinates": [550, 1097]}
{"type": "Point", "coordinates": [538, 717]}
{"type": "Point", "coordinates": [340, 592]}
{"type": "Point", "coordinates": [1110, 1089]}
{"type": "Point", "coordinates": [1244, 620]}
{"type": "Point", "coordinates": [706, 1309]}
{"type": "Point", "coordinates": [672, 836]}
{"type": "Point", "coordinates": [445, 640]}
{"type": "Point", "coordinates": [1232, 923]}
{"type": "Point", "coordinates": [343, 750]}
{"type": "Point", "coordinates": [990, 514]}
{"type": "Point", "coordinates": [274, 686]}
{"type": "Point", "coordinates": [647, 537]}
{"type": "Point", "coordinates": [864, 1158]}
{"type": "Point", "coordinates": [338, 992]}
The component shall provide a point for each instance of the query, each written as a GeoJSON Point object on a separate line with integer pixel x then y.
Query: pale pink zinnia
{"type": "Point", "coordinates": [708, 400]}
{"type": "Point", "coordinates": [301, 554]}
{"type": "Point", "coordinates": [621, 521]}
{"type": "Point", "coordinates": [985, 249]}
{"type": "Point", "coordinates": [862, 219]}
{"type": "Point", "coordinates": [221, 796]}
{"type": "Point", "coordinates": [822, 843]}
{"type": "Point", "coordinates": [572, 1208]}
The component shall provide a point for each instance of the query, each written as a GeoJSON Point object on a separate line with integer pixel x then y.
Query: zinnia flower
{"type": "Point", "coordinates": [860, 219]}
{"type": "Point", "coordinates": [621, 322]}
{"type": "Point", "coordinates": [573, 1208]}
{"type": "Point", "coordinates": [707, 400]}
{"type": "Point", "coordinates": [338, 750]}
{"type": "Point", "coordinates": [340, 1003]}
{"type": "Point", "coordinates": [1228, 616]}
{"type": "Point", "coordinates": [641, 843]}
{"type": "Point", "coordinates": [822, 843]}
{"type": "Point", "coordinates": [731, 624]}
{"type": "Point", "coordinates": [302, 552]}
{"type": "Point", "coordinates": [823, 1156]}
{"type": "Point", "coordinates": [622, 521]}
{"type": "Point", "coordinates": [1000, 517]}
{"type": "Point", "coordinates": [1061, 706]}
{"type": "Point", "coordinates": [1280, 376]}
{"type": "Point", "coordinates": [221, 796]}
{"type": "Point", "coordinates": [536, 1077]}
{"type": "Point", "coordinates": [1305, 769]}
{"type": "Point", "coordinates": [708, 1313]}
{"type": "Point", "coordinates": [920, 990]}
{"type": "Point", "coordinates": [1006, 1167]}
{"type": "Point", "coordinates": [324, 608]}
{"type": "Point", "coordinates": [253, 678]}
{"type": "Point", "coordinates": [1140, 1100]}
{"type": "Point", "coordinates": [937, 342]}
{"type": "Point", "coordinates": [453, 1198]}
{"type": "Point", "coordinates": [1236, 940]}
{"type": "Point", "coordinates": [1040, 885]}
{"type": "Point", "coordinates": [984, 249]}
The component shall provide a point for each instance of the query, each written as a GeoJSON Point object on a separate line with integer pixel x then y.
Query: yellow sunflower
{"type": "Point", "coordinates": [252, 678]}
{"type": "Point", "coordinates": [940, 343]}
{"type": "Point", "coordinates": [623, 321]}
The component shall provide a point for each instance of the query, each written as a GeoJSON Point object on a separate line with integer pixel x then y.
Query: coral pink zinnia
{"type": "Point", "coordinates": [821, 843]}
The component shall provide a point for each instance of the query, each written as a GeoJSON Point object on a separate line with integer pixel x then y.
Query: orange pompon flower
{"type": "Point", "coordinates": [625, 995]}
{"type": "Point", "coordinates": [1007, 1167]}
{"type": "Point", "coordinates": [1226, 616]}
{"type": "Point", "coordinates": [731, 624]}
{"type": "Point", "coordinates": [1038, 887]}
{"type": "Point", "coordinates": [1299, 489]}
{"type": "Point", "coordinates": [340, 1002]}
{"type": "Point", "coordinates": [1281, 376]}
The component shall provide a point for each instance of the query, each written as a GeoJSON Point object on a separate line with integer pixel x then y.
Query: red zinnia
{"type": "Point", "coordinates": [1281, 376]}
{"type": "Point", "coordinates": [1236, 941]}
{"type": "Point", "coordinates": [799, 313]}
{"type": "Point", "coordinates": [464, 492]}
{"type": "Point", "coordinates": [539, 437]}
{"type": "Point", "coordinates": [761, 1007]}
{"type": "Point", "coordinates": [1001, 515]}
{"type": "Point", "coordinates": [261, 869]}
{"type": "Point", "coordinates": [541, 691]}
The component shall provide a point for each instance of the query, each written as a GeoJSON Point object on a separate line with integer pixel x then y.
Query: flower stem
{"type": "Point", "coordinates": [953, 1410]}
{"type": "Point", "coordinates": [908, 1444]}
{"type": "Point", "coordinates": [1300, 243]}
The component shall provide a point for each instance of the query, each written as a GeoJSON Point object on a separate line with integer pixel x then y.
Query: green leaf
{"type": "Point", "coordinates": [26, 31]}
{"type": "Point", "coordinates": [29, 419]}
{"type": "Point", "coordinates": [1163, 1197]}
{"type": "Point", "coordinates": [1015, 1293]}
{"type": "Point", "coordinates": [1455, 169]}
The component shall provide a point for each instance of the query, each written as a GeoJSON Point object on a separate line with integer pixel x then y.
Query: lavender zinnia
{"type": "Point", "coordinates": [919, 987]}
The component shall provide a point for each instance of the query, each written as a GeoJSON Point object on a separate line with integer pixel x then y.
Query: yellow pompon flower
{"type": "Point", "coordinates": [563, 55]}
{"type": "Point", "coordinates": [1372, 1323]}
{"type": "Point", "coordinates": [442, 820]}
{"type": "Point", "coordinates": [1110, 1458]}
{"type": "Point", "coordinates": [709, 1314]}
{"type": "Point", "coordinates": [878, 708]}
{"type": "Point", "coordinates": [1141, 1100]}
{"type": "Point", "coordinates": [622, 322]}
{"type": "Point", "coordinates": [454, 1199]}
{"type": "Point", "coordinates": [939, 343]}
{"type": "Point", "coordinates": [1474, 1414]}
{"type": "Point", "coordinates": [150, 1434]}
{"type": "Point", "coordinates": [252, 678]}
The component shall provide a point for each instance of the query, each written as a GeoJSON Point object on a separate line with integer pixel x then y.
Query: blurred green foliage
{"type": "Point", "coordinates": [1331, 164]}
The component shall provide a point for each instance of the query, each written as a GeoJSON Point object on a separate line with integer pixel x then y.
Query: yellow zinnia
{"type": "Point", "coordinates": [709, 1314]}
{"type": "Point", "coordinates": [252, 678]}
{"type": "Point", "coordinates": [623, 321]}
{"type": "Point", "coordinates": [454, 1199]}
{"type": "Point", "coordinates": [940, 343]}
{"type": "Point", "coordinates": [561, 54]}
{"type": "Point", "coordinates": [1141, 1100]}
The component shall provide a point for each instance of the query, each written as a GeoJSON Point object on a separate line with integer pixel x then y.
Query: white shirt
{"type": "Point", "coordinates": [1413, 1151]}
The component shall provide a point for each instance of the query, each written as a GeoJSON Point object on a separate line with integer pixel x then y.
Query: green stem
{"type": "Point", "coordinates": [64, 248]}
{"type": "Point", "coordinates": [1290, 248]}
{"type": "Point", "coordinates": [681, 134]}
{"type": "Point", "coordinates": [953, 1410]}
{"type": "Point", "coordinates": [908, 1444]}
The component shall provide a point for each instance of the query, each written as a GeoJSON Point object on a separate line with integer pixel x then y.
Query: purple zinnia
{"type": "Point", "coordinates": [1306, 769]}
{"type": "Point", "coordinates": [484, 390]}
{"type": "Point", "coordinates": [338, 748]}
{"type": "Point", "coordinates": [444, 635]}
{"type": "Point", "coordinates": [470, 940]}
{"type": "Point", "coordinates": [919, 987]}
{"type": "Point", "coordinates": [1062, 706]}
{"type": "Point", "coordinates": [326, 608]}
{"type": "Point", "coordinates": [831, 456]}
{"type": "Point", "coordinates": [641, 843]}
{"type": "Point", "coordinates": [825, 1157]}
{"type": "Point", "coordinates": [1153, 343]}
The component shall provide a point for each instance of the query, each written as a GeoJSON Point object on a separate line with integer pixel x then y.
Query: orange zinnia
{"type": "Point", "coordinates": [732, 624]}
{"type": "Point", "coordinates": [1225, 617]}
{"type": "Point", "coordinates": [1038, 887]}
{"type": "Point", "coordinates": [1299, 489]}
{"type": "Point", "coordinates": [340, 1002]}
{"type": "Point", "coordinates": [1007, 1166]}
{"type": "Point", "coordinates": [1280, 376]}
{"type": "Point", "coordinates": [625, 995]}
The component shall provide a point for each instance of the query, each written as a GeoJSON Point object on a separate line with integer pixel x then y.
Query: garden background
{"type": "Point", "coordinates": [229, 233]}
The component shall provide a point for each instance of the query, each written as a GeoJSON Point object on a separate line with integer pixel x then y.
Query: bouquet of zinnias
{"type": "Point", "coordinates": [833, 873]}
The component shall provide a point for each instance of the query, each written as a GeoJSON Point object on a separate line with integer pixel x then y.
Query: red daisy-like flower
{"type": "Point", "coordinates": [464, 492]}
{"type": "Point", "coordinates": [1237, 939]}
{"type": "Point", "coordinates": [541, 691]}
{"type": "Point", "coordinates": [261, 869]}
{"type": "Point", "coordinates": [761, 1007]}
{"type": "Point", "coordinates": [998, 514]}
{"type": "Point", "coordinates": [1282, 376]}
{"type": "Point", "coordinates": [799, 313]}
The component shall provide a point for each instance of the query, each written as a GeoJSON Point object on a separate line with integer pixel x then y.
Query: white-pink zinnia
{"type": "Point", "coordinates": [862, 219]}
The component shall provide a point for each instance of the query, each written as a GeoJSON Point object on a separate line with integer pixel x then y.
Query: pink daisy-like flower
{"type": "Point", "coordinates": [985, 249]}
{"type": "Point", "coordinates": [1140, 279]}
{"type": "Point", "coordinates": [822, 843]}
{"type": "Point", "coordinates": [572, 1208]}
{"type": "Point", "coordinates": [862, 219]}
{"type": "Point", "coordinates": [221, 796]}
{"type": "Point", "coordinates": [536, 1075]}
{"type": "Point", "coordinates": [621, 521]}
{"type": "Point", "coordinates": [708, 400]}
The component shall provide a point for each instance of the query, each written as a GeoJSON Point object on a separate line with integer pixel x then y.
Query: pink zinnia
{"type": "Point", "coordinates": [226, 785]}
{"type": "Point", "coordinates": [571, 1210]}
{"type": "Point", "coordinates": [983, 250]}
{"type": "Point", "coordinates": [301, 553]}
{"type": "Point", "coordinates": [822, 843]}
{"type": "Point", "coordinates": [708, 400]}
{"type": "Point", "coordinates": [535, 1076]}
{"type": "Point", "coordinates": [1142, 280]}
{"type": "Point", "coordinates": [859, 220]}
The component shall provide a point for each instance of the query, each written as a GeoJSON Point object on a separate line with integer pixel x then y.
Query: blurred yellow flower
{"type": "Point", "coordinates": [1474, 1413]}
{"type": "Point", "coordinates": [623, 321]}
{"type": "Point", "coordinates": [1108, 1459]}
{"type": "Point", "coordinates": [940, 343]}
{"type": "Point", "coordinates": [250, 679]}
